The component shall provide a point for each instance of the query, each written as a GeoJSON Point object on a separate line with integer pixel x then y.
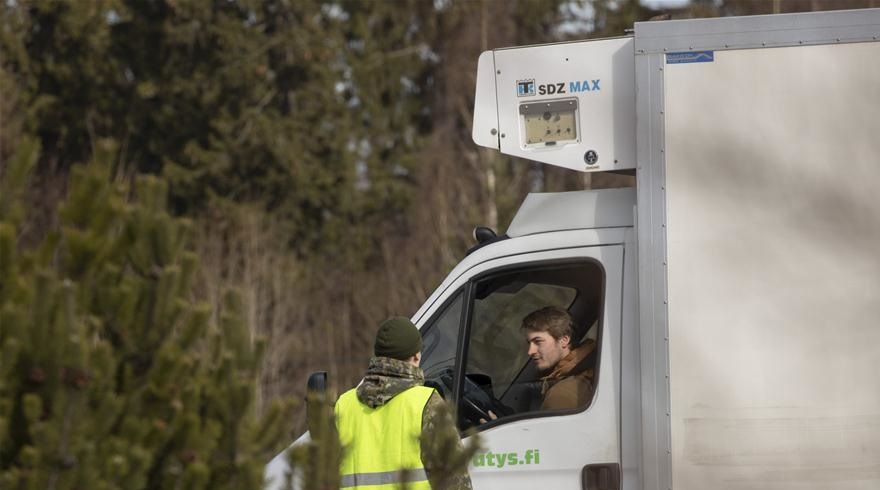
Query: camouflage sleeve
{"type": "Point", "coordinates": [443, 454]}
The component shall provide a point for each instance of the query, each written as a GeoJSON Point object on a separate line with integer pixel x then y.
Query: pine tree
{"type": "Point", "coordinates": [315, 464]}
{"type": "Point", "coordinates": [112, 375]}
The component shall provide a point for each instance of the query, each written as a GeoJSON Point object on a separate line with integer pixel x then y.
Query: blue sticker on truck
{"type": "Point", "coordinates": [525, 88]}
{"type": "Point", "coordinates": [690, 57]}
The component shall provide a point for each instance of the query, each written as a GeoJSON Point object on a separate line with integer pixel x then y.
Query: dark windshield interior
{"type": "Point", "coordinates": [499, 374]}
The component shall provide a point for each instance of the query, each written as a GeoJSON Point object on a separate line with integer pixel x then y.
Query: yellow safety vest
{"type": "Point", "coordinates": [382, 441]}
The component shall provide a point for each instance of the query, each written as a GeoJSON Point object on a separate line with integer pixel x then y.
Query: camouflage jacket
{"type": "Point", "coordinates": [388, 377]}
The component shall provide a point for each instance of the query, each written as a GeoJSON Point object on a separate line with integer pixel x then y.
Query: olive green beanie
{"type": "Point", "coordinates": [397, 338]}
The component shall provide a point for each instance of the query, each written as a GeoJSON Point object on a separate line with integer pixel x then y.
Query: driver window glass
{"type": "Point", "coordinates": [503, 355]}
{"type": "Point", "coordinates": [501, 376]}
{"type": "Point", "coordinates": [440, 340]}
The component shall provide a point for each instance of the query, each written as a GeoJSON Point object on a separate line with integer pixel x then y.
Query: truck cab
{"type": "Point", "coordinates": [475, 352]}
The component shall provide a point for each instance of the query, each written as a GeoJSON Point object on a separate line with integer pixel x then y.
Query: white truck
{"type": "Point", "coordinates": [733, 296]}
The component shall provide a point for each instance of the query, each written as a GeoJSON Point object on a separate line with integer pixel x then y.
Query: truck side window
{"type": "Point", "coordinates": [500, 375]}
{"type": "Point", "coordinates": [439, 343]}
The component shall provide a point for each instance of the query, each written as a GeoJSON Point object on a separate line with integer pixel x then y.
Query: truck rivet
{"type": "Point", "coordinates": [502, 135]}
{"type": "Point", "coordinates": [763, 44]}
{"type": "Point", "coordinates": [494, 131]}
{"type": "Point", "coordinates": [498, 72]}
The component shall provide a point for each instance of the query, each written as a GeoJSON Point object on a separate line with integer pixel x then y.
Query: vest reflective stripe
{"type": "Point", "coordinates": [382, 441]}
{"type": "Point", "coordinates": [382, 478]}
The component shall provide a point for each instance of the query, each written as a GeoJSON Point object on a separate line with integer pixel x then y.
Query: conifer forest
{"type": "Point", "coordinates": [204, 201]}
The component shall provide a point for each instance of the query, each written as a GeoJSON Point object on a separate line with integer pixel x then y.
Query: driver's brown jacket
{"type": "Point", "coordinates": [570, 383]}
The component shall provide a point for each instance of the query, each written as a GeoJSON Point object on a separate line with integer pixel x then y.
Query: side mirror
{"type": "Point", "coordinates": [317, 384]}
{"type": "Point", "coordinates": [319, 408]}
{"type": "Point", "coordinates": [483, 234]}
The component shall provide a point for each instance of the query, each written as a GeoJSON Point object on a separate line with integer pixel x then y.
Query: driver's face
{"type": "Point", "coordinates": [545, 351]}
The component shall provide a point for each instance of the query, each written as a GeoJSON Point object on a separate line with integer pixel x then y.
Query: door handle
{"type": "Point", "coordinates": [601, 477]}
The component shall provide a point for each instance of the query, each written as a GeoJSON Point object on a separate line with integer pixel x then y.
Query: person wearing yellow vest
{"type": "Point", "coordinates": [381, 421]}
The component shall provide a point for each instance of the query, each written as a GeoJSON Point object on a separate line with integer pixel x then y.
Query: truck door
{"type": "Point", "coordinates": [476, 353]}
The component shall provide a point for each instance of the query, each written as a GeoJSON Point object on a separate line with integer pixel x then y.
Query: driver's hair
{"type": "Point", "coordinates": [555, 321]}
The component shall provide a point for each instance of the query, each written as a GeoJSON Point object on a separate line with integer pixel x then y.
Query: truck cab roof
{"type": "Point", "coordinates": [560, 211]}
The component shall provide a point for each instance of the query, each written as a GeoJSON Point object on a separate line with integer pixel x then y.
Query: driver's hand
{"type": "Point", "coordinates": [492, 416]}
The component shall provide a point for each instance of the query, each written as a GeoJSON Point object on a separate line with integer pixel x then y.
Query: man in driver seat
{"type": "Point", "coordinates": [567, 380]}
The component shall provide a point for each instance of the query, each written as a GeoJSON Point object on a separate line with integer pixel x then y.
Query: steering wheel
{"type": "Point", "coordinates": [476, 400]}
{"type": "Point", "coordinates": [440, 381]}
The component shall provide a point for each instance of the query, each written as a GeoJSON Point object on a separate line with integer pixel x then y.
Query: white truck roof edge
{"type": "Point", "coordinates": [757, 31]}
{"type": "Point", "coordinates": [558, 211]}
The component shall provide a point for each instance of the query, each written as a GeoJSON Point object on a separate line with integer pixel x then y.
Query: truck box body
{"type": "Point", "coordinates": [732, 299]}
{"type": "Point", "coordinates": [759, 225]}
